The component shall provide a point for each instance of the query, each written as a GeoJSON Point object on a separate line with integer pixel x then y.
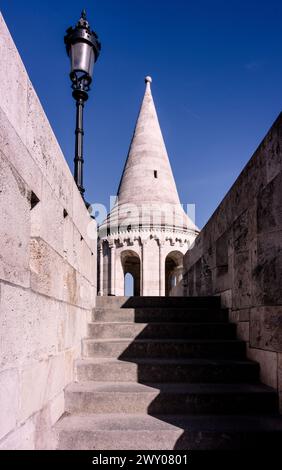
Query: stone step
{"type": "Point", "coordinates": [162, 330]}
{"type": "Point", "coordinates": [137, 302]}
{"type": "Point", "coordinates": [128, 397]}
{"type": "Point", "coordinates": [151, 348]}
{"type": "Point", "coordinates": [168, 370]}
{"type": "Point", "coordinates": [167, 432]}
{"type": "Point", "coordinates": [149, 315]}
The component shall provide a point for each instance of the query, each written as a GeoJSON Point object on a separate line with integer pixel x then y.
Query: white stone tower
{"type": "Point", "coordinates": [147, 232]}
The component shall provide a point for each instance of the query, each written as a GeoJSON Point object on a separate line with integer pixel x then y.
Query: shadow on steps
{"type": "Point", "coordinates": [206, 385]}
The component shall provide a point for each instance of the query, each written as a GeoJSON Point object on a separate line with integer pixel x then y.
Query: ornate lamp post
{"type": "Point", "coordinates": [83, 48]}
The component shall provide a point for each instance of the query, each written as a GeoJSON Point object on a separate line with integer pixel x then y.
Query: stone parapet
{"type": "Point", "coordinates": [47, 263]}
{"type": "Point", "coordinates": [238, 255]}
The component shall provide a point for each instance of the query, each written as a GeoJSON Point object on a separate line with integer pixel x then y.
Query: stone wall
{"type": "Point", "coordinates": [238, 255]}
{"type": "Point", "coordinates": [47, 263]}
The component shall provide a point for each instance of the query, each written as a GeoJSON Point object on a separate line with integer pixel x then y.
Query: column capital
{"type": "Point", "coordinates": [111, 244]}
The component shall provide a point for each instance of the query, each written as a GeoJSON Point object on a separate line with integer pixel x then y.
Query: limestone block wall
{"type": "Point", "coordinates": [47, 263]}
{"type": "Point", "coordinates": [238, 255]}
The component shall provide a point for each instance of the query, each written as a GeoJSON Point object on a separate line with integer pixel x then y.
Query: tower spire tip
{"type": "Point", "coordinates": [148, 79]}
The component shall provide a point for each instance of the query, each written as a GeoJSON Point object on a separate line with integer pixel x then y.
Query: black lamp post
{"type": "Point", "coordinates": [83, 48]}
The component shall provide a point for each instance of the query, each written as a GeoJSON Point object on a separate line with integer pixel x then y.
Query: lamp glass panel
{"type": "Point", "coordinates": [82, 58]}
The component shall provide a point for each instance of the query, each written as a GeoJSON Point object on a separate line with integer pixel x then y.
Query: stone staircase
{"type": "Point", "coordinates": [166, 373]}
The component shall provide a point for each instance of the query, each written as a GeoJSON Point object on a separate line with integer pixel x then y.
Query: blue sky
{"type": "Point", "coordinates": [216, 69]}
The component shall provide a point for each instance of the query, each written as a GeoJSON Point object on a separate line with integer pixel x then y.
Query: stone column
{"type": "Point", "coordinates": [161, 268]}
{"type": "Point", "coordinates": [113, 265]}
{"type": "Point", "coordinates": [144, 274]}
{"type": "Point", "coordinates": [101, 263]}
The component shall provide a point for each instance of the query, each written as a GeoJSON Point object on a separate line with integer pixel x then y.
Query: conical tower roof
{"type": "Point", "coordinates": [147, 193]}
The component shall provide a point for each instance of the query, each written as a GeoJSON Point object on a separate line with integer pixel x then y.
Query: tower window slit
{"type": "Point", "coordinates": [155, 173]}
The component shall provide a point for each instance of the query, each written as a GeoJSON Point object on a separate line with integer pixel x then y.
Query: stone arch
{"type": "Point", "coordinates": [173, 269]}
{"type": "Point", "coordinates": [131, 264]}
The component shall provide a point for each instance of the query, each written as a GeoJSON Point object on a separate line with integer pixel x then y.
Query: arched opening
{"type": "Point", "coordinates": [131, 265]}
{"type": "Point", "coordinates": [173, 270]}
{"type": "Point", "coordinates": [128, 285]}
